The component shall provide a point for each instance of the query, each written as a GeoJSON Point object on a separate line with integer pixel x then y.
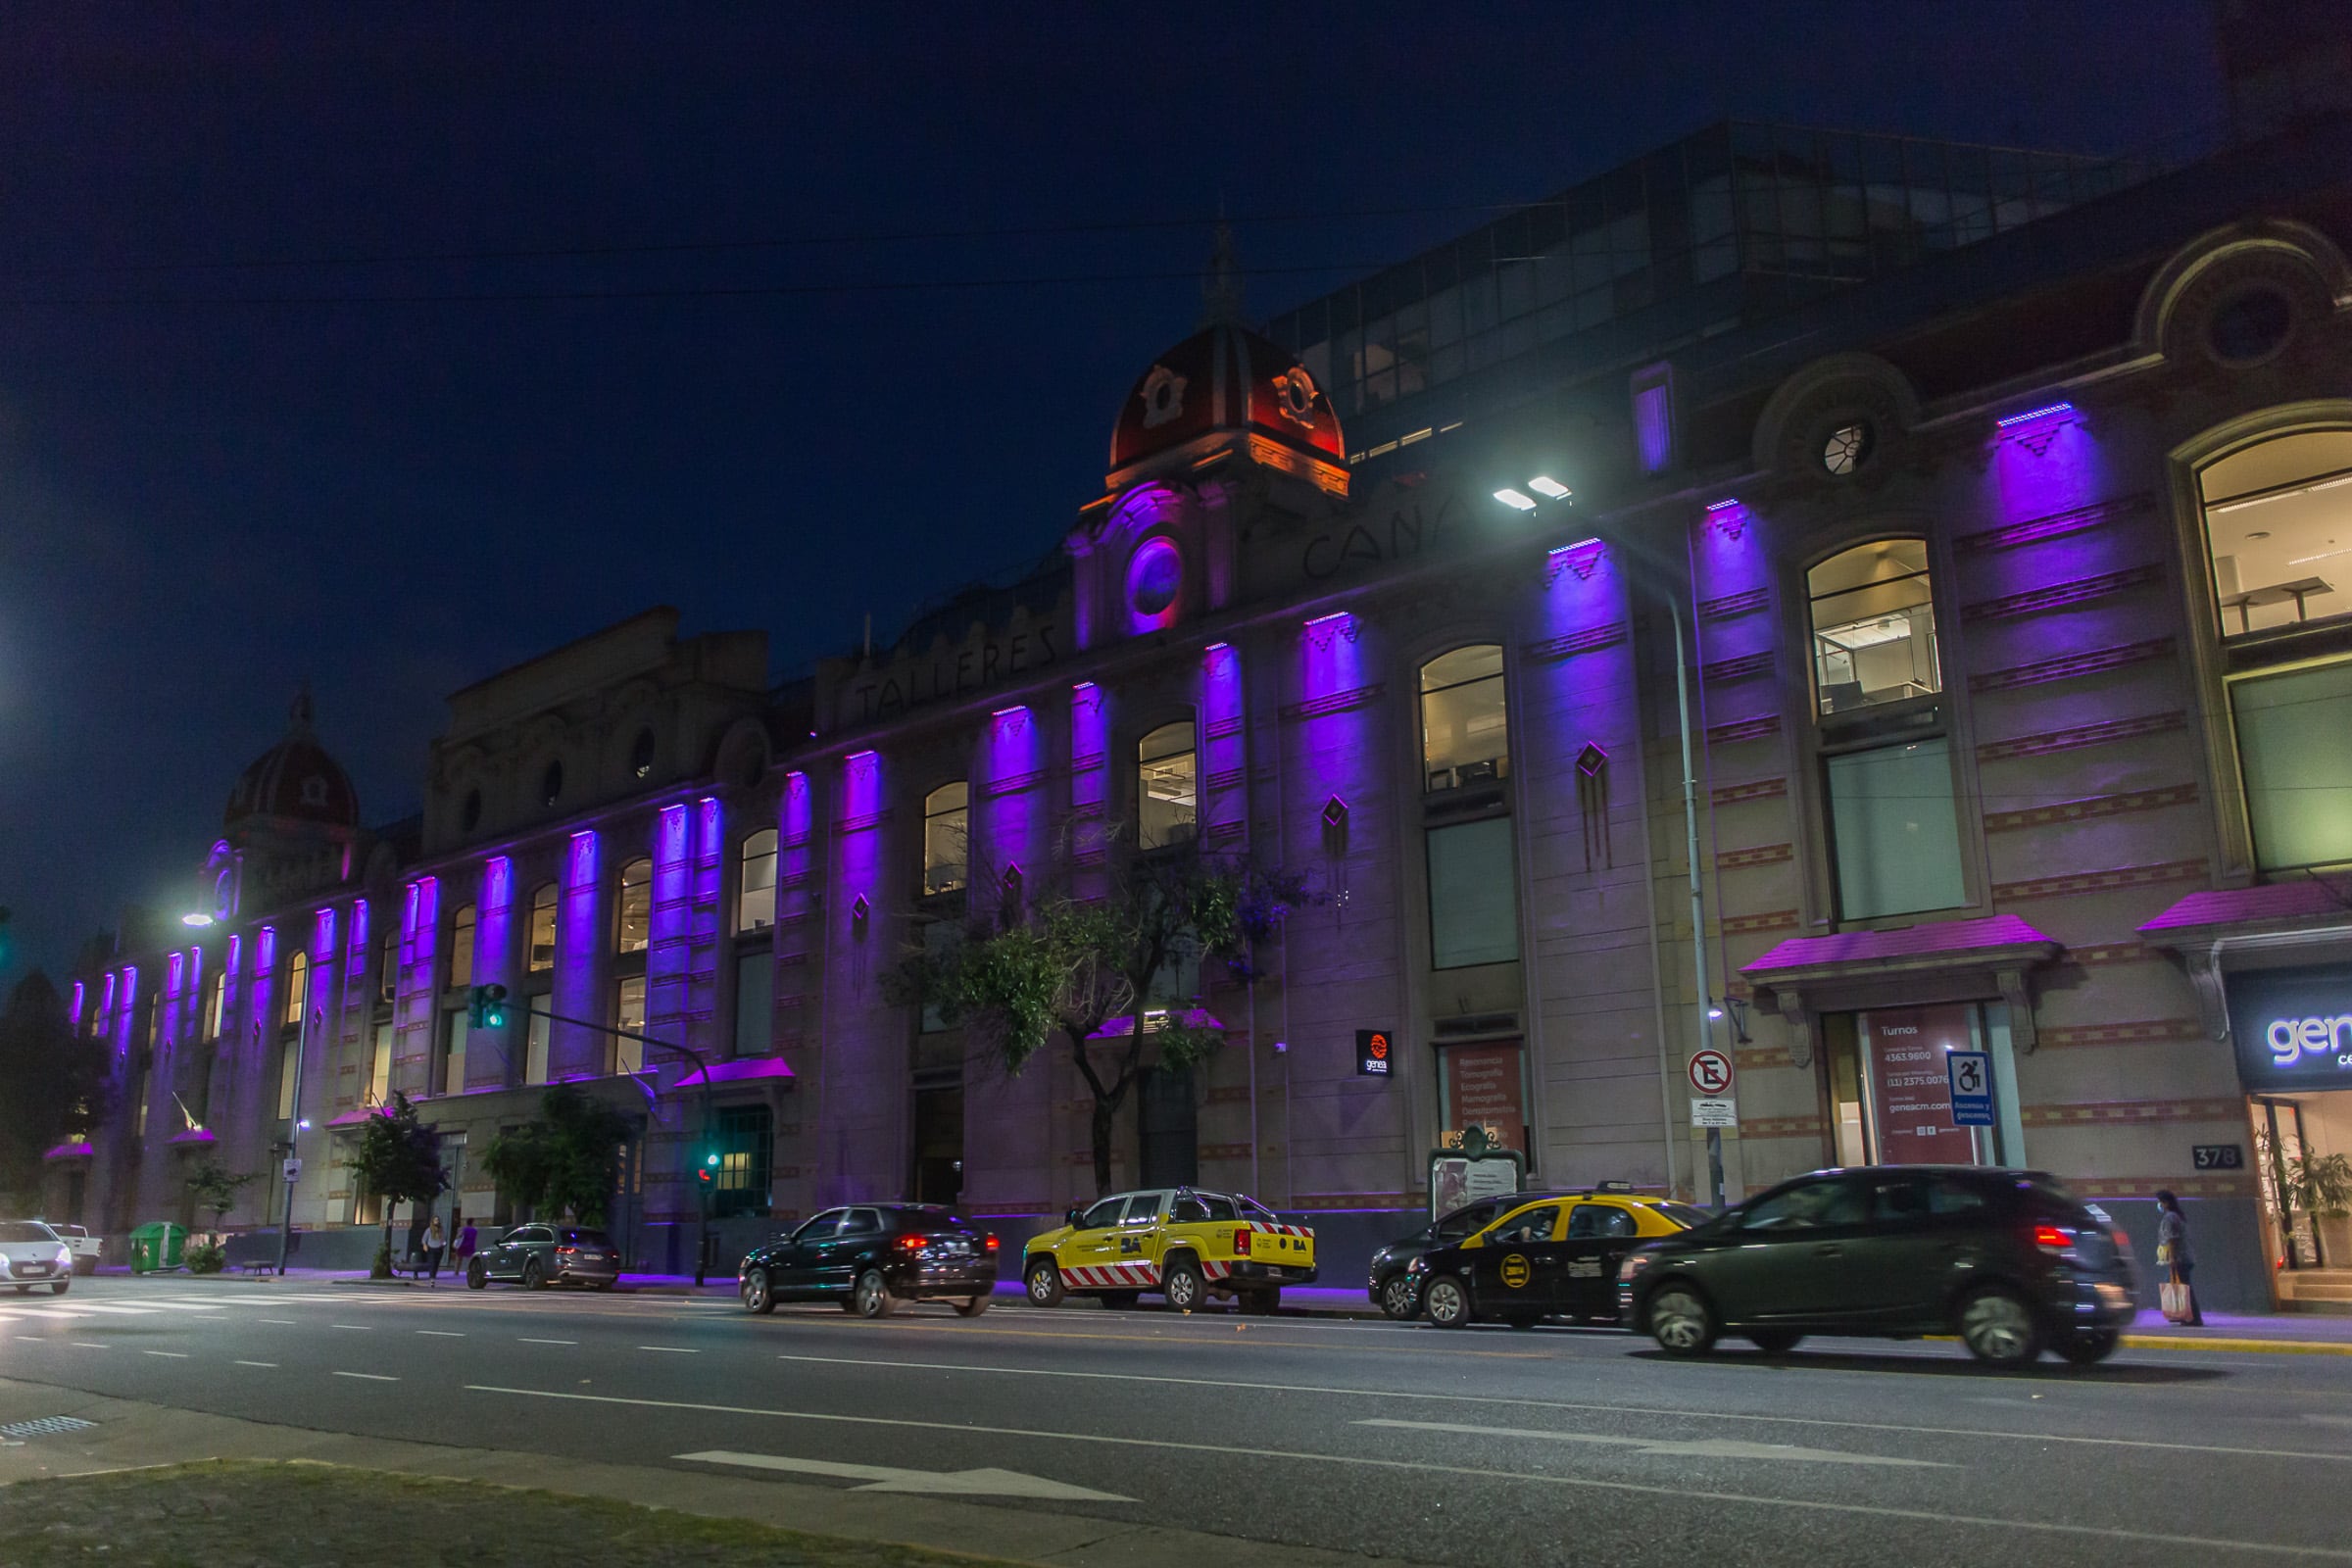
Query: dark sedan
{"type": "Point", "coordinates": [871, 1258]}
{"type": "Point", "coordinates": [2009, 1260]}
{"type": "Point", "coordinates": [1393, 1286]}
{"type": "Point", "coordinates": [536, 1255]}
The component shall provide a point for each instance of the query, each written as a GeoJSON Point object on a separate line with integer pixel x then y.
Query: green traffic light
{"type": "Point", "coordinates": [711, 1159]}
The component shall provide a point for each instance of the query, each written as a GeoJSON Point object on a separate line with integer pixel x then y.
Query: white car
{"type": "Point", "coordinates": [86, 1246]}
{"type": "Point", "coordinates": [31, 1254]}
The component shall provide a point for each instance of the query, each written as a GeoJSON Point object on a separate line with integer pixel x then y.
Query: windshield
{"type": "Point", "coordinates": [1684, 1214]}
{"type": "Point", "coordinates": [578, 1238]}
{"type": "Point", "coordinates": [24, 1229]}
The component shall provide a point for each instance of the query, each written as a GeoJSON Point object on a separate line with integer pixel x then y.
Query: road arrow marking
{"type": "Point", "coordinates": [1701, 1448]}
{"type": "Point", "coordinates": [985, 1483]}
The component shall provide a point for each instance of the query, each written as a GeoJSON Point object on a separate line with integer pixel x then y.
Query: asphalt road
{"type": "Point", "coordinates": [1488, 1445]}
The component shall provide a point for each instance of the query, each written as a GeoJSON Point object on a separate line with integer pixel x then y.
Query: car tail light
{"type": "Point", "coordinates": [913, 1244]}
{"type": "Point", "coordinates": [567, 1251]}
{"type": "Point", "coordinates": [1240, 1240]}
{"type": "Point", "coordinates": [989, 1246]}
{"type": "Point", "coordinates": [2052, 1239]}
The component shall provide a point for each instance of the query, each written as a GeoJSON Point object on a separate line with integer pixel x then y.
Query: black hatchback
{"type": "Point", "coordinates": [871, 1258]}
{"type": "Point", "coordinates": [2009, 1260]}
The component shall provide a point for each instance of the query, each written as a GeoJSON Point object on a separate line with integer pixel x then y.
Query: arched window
{"type": "Point", "coordinates": [543, 928]}
{"type": "Point", "coordinates": [755, 885]}
{"type": "Point", "coordinates": [1167, 790]}
{"type": "Point", "coordinates": [460, 947]}
{"type": "Point", "coordinates": [635, 916]}
{"type": "Point", "coordinates": [1465, 729]}
{"type": "Point", "coordinates": [2279, 526]}
{"type": "Point", "coordinates": [947, 837]}
{"type": "Point", "coordinates": [298, 989]}
{"type": "Point", "coordinates": [215, 1007]}
{"type": "Point", "coordinates": [1874, 626]}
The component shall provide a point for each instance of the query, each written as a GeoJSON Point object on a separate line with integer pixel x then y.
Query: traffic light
{"type": "Point", "coordinates": [486, 1007]}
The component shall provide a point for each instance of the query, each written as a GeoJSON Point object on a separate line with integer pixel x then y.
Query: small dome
{"type": "Point", "coordinates": [296, 781]}
{"type": "Point", "coordinates": [1225, 379]}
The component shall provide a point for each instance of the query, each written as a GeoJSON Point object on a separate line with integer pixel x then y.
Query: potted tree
{"type": "Point", "coordinates": [2320, 1184]}
{"type": "Point", "coordinates": [399, 1159]}
{"type": "Point", "coordinates": [214, 1190]}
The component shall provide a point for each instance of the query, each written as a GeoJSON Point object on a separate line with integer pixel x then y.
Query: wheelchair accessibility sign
{"type": "Point", "coordinates": [1971, 1073]}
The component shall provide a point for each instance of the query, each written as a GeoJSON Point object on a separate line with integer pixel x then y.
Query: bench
{"type": "Point", "coordinates": [256, 1251]}
{"type": "Point", "coordinates": [415, 1264]}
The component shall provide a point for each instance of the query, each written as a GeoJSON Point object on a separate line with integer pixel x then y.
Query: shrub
{"type": "Point", "coordinates": [206, 1257]}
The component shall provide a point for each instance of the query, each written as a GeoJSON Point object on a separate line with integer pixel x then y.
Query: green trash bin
{"type": "Point", "coordinates": [157, 1245]}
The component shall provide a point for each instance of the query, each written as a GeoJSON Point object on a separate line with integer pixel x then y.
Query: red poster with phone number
{"type": "Point", "coordinates": [1911, 1084]}
{"type": "Point", "coordinates": [1484, 1088]}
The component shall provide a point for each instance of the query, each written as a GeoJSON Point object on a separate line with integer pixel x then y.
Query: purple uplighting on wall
{"type": "Point", "coordinates": [863, 862]}
{"type": "Point", "coordinates": [1090, 770]}
{"type": "Point", "coordinates": [174, 967]}
{"type": "Point", "coordinates": [1722, 505]}
{"type": "Point", "coordinates": [323, 937]}
{"type": "Point", "coordinates": [1007, 826]}
{"type": "Point", "coordinates": [581, 944]}
{"type": "Point", "coordinates": [236, 957]}
{"type": "Point", "coordinates": [73, 1009]}
{"type": "Point", "coordinates": [494, 926]}
{"type": "Point", "coordinates": [1653, 427]}
{"type": "Point", "coordinates": [1224, 793]}
{"type": "Point", "coordinates": [669, 938]}
{"type": "Point", "coordinates": [2033, 416]}
{"type": "Point", "coordinates": [359, 929]}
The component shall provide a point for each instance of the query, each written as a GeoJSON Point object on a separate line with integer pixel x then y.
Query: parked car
{"type": "Point", "coordinates": [871, 1258]}
{"type": "Point", "coordinates": [2009, 1260]}
{"type": "Point", "coordinates": [86, 1246]}
{"type": "Point", "coordinates": [31, 1254]}
{"type": "Point", "coordinates": [1555, 1256]}
{"type": "Point", "coordinates": [539, 1254]}
{"type": "Point", "coordinates": [1394, 1288]}
{"type": "Point", "coordinates": [1188, 1245]}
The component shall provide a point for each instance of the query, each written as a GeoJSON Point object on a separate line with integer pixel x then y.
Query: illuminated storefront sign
{"type": "Point", "coordinates": [2294, 1027]}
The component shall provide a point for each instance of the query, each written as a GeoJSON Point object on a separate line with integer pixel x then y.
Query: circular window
{"type": "Point", "coordinates": [551, 784]}
{"type": "Point", "coordinates": [2249, 327]}
{"type": "Point", "coordinates": [1847, 447]}
{"type": "Point", "coordinates": [473, 814]}
{"type": "Point", "coordinates": [641, 754]}
{"type": "Point", "coordinates": [1154, 577]}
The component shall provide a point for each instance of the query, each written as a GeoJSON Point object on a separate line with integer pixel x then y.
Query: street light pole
{"type": "Point", "coordinates": [293, 1165]}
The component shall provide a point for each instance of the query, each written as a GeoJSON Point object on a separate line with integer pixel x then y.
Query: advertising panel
{"type": "Point", "coordinates": [2293, 1027]}
{"type": "Point", "coordinates": [1911, 1088]}
{"type": "Point", "coordinates": [1484, 1089]}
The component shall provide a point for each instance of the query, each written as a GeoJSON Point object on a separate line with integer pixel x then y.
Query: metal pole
{"type": "Point", "coordinates": [1698, 918]}
{"type": "Point", "coordinates": [302, 1049]}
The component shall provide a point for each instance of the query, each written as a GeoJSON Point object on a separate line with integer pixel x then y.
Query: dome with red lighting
{"type": "Point", "coordinates": [1225, 381]}
{"type": "Point", "coordinates": [296, 781]}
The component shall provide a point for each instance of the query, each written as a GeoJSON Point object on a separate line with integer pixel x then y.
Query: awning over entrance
{"type": "Point", "coordinates": [193, 1137]}
{"type": "Point", "coordinates": [70, 1152]}
{"type": "Point", "coordinates": [743, 1070]}
{"type": "Point", "coordinates": [1999, 947]}
{"type": "Point", "coordinates": [2275, 906]}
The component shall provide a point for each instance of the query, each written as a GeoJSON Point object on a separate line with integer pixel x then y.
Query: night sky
{"type": "Point", "coordinates": [238, 450]}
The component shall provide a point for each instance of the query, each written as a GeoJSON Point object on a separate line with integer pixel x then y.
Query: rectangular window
{"type": "Point", "coordinates": [1874, 626]}
{"type": "Point", "coordinates": [290, 1057]}
{"type": "Point", "coordinates": [454, 1028]}
{"type": "Point", "coordinates": [1473, 894]}
{"type": "Point", "coordinates": [746, 1140]}
{"type": "Point", "coordinates": [946, 822]}
{"type": "Point", "coordinates": [940, 937]}
{"type": "Point", "coordinates": [216, 1007]}
{"type": "Point", "coordinates": [2294, 746]}
{"type": "Point", "coordinates": [2278, 521]}
{"type": "Point", "coordinates": [1895, 830]}
{"type": "Point", "coordinates": [379, 1067]}
{"type": "Point", "coordinates": [755, 1004]}
{"type": "Point", "coordinates": [534, 1050]}
{"type": "Point", "coordinates": [1167, 793]}
{"type": "Point", "coordinates": [628, 1013]}
{"type": "Point", "coordinates": [755, 899]}
{"type": "Point", "coordinates": [543, 928]}
{"type": "Point", "coordinates": [460, 948]}
{"type": "Point", "coordinates": [1466, 727]}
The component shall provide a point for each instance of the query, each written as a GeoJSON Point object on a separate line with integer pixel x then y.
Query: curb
{"type": "Point", "coordinates": [2183, 1342]}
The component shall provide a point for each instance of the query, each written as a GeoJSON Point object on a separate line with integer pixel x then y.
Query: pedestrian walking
{"type": "Point", "coordinates": [436, 1241]}
{"type": "Point", "coordinates": [462, 1258]}
{"type": "Point", "coordinates": [2173, 1256]}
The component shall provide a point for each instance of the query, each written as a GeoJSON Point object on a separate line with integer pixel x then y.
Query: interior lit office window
{"type": "Point", "coordinates": [1465, 730]}
{"type": "Point", "coordinates": [1894, 828]}
{"type": "Point", "coordinates": [460, 947]}
{"type": "Point", "coordinates": [298, 989]}
{"type": "Point", "coordinates": [288, 1056]}
{"type": "Point", "coordinates": [1473, 894]}
{"type": "Point", "coordinates": [755, 886]}
{"type": "Point", "coordinates": [628, 1013]}
{"type": "Point", "coordinates": [534, 1054]}
{"type": "Point", "coordinates": [543, 927]}
{"type": "Point", "coordinates": [946, 825]}
{"type": "Point", "coordinates": [2279, 523]}
{"type": "Point", "coordinates": [1874, 626]}
{"type": "Point", "coordinates": [1167, 787]}
{"type": "Point", "coordinates": [379, 1067]}
{"type": "Point", "coordinates": [215, 1007]}
{"type": "Point", "coordinates": [635, 907]}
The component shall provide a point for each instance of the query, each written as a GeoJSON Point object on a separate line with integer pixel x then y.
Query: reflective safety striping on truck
{"type": "Point", "coordinates": [1112, 1274]}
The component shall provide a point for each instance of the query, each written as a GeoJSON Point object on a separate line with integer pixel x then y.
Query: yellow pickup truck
{"type": "Point", "coordinates": [1186, 1243]}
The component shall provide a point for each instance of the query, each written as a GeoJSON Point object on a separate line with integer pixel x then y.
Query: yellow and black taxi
{"type": "Point", "coordinates": [1554, 1256]}
{"type": "Point", "coordinates": [1183, 1243]}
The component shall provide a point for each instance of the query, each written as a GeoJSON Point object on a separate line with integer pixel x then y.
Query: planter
{"type": "Point", "coordinates": [2335, 1240]}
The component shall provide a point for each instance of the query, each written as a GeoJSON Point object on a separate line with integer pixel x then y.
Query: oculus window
{"type": "Point", "coordinates": [1465, 729]}
{"type": "Point", "coordinates": [947, 836]}
{"type": "Point", "coordinates": [1167, 793]}
{"type": "Point", "coordinates": [1473, 894]}
{"type": "Point", "coordinates": [635, 930]}
{"type": "Point", "coordinates": [755, 887]}
{"type": "Point", "coordinates": [543, 928]}
{"type": "Point", "coordinates": [2279, 527]}
{"type": "Point", "coordinates": [460, 947]}
{"type": "Point", "coordinates": [1894, 831]}
{"type": "Point", "coordinates": [1874, 626]}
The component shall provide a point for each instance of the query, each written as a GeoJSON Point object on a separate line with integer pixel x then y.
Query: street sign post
{"type": "Point", "coordinates": [1711, 1073]}
{"type": "Point", "coordinates": [1713, 1111]}
{"type": "Point", "coordinates": [1971, 1073]}
{"type": "Point", "coordinates": [292, 1169]}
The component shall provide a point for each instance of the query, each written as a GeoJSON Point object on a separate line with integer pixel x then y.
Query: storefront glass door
{"type": "Point", "coordinates": [1890, 1086]}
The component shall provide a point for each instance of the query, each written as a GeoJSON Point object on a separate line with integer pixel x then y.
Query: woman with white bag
{"type": "Point", "coordinates": [2177, 1260]}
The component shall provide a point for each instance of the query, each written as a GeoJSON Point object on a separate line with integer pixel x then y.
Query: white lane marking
{"type": "Point", "coordinates": [105, 1307]}
{"type": "Point", "coordinates": [442, 1334]}
{"type": "Point", "coordinates": [162, 1304]}
{"type": "Point", "coordinates": [257, 1363]}
{"type": "Point", "coordinates": [1701, 1448]}
{"type": "Point", "coordinates": [668, 1349]}
{"type": "Point", "coordinates": [363, 1328]}
{"type": "Point", "coordinates": [371, 1377]}
{"type": "Point", "coordinates": [281, 1322]}
{"type": "Point", "coordinates": [33, 1339]}
{"type": "Point", "coordinates": [1367, 1462]}
{"type": "Point", "coordinates": [84, 1345]}
{"type": "Point", "coordinates": [526, 1340]}
{"type": "Point", "coordinates": [984, 1483]}
{"type": "Point", "coordinates": [1222, 1383]}
{"type": "Point", "coordinates": [177, 1355]}
{"type": "Point", "coordinates": [51, 1312]}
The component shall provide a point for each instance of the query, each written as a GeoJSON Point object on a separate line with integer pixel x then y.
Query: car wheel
{"type": "Point", "coordinates": [534, 1278]}
{"type": "Point", "coordinates": [872, 1298]}
{"type": "Point", "coordinates": [1044, 1282]}
{"type": "Point", "coordinates": [2090, 1346]}
{"type": "Point", "coordinates": [757, 1296]}
{"type": "Point", "coordinates": [1448, 1302]}
{"type": "Point", "coordinates": [477, 1275]}
{"type": "Point", "coordinates": [973, 1308]}
{"type": "Point", "coordinates": [1398, 1299]}
{"type": "Point", "coordinates": [1999, 1328]}
{"type": "Point", "coordinates": [1682, 1322]}
{"type": "Point", "coordinates": [1183, 1286]}
{"type": "Point", "coordinates": [1775, 1342]}
{"type": "Point", "coordinates": [60, 1287]}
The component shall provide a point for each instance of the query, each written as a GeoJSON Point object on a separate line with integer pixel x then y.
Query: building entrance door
{"type": "Point", "coordinates": [1168, 1128]}
{"type": "Point", "coordinates": [939, 1144]}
